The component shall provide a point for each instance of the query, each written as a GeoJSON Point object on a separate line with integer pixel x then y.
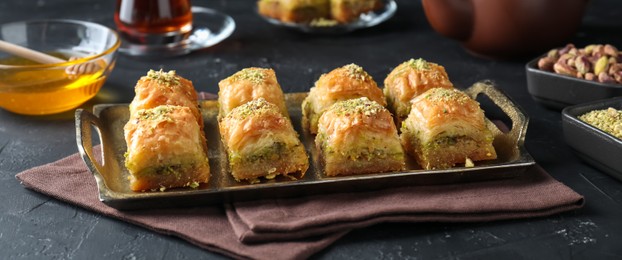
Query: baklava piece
{"type": "Point", "coordinates": [446, 127]}
{"type": "Point", "coordinates": [165, 88]}
{"type": "Point", "coordinates": [261, 142]}
{"type": "Point", "coordinates": [345, 11]}
{"type": "Point", "coordinates": [294, 11]}
{"type": "Point", "coordinates": [165, 149]}
{"type": "Point", "coordinates": [410, 79]}
{"type": "Point", "coordinates": [250, 84]}
{"type": "Point", "coordinates": [347, 82]}
{"type": "Point", "coordinates": [358, 136]}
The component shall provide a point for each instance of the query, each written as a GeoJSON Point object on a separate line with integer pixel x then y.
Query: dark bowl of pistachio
{"type": "Point", "coordinates": [570, 75]}
{"type": "Point", "coordinates": [594, 131]}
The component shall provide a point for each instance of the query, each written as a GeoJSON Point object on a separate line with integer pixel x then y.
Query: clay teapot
{"type": "Point", "coordinates": [506, 28]}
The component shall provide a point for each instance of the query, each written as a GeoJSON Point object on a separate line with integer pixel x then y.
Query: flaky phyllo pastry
{"type": "Point", "coordinates": [411, 79]}
{"type": "Point", "coordinates": [446, 127]}
{"type": "Point", "coordinates": [347, 82]}
{"type": "Point", "coordinates": [261, 142]}
{"type": "Point", "coordinates": [301, 11]}
{"type": "Point", "coordinates": [165, 88]}
{"type": "Point", "coordinates": [166, 146]}
{"type": "Point", "coordinates": [250, 84]}
{"type": "Point", "coordinates": [346, 11]}
{"type": "Point", "coordinates": [295, 11]}
{"type": "Point", "coordinates": [358, 136]}
{"type": "Point", "coordinates": [165, 149]}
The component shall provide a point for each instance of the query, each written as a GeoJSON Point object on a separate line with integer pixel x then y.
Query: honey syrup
{"type": "Point", "coordinates": [46, 90]}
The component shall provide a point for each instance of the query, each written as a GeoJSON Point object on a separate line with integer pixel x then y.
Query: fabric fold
{"type": "Point", "coordinates": [299, 227]}
{"type": "Point", "coordinates": [69, 180]}
{"type": "Point", "coordinates": [533, 194]}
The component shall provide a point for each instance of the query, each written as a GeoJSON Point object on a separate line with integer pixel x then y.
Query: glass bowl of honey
{"type": "Point", "coordinates": [86, 52]}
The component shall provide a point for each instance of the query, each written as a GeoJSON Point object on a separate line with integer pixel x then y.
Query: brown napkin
{"type": "Point", "coordinates": [298, 227]}
{"type": "Point", "coordinates": [531, 195]}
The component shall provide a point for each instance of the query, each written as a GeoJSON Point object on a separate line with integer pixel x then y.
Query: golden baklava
{"type": "Point", "coordinates": [165, 88]}
{"type": "Point", "coordinates": [358, 136]}
{"type": "Point", "coordinates": [347, 82]}
{"type": "Point", "coordinates": [295, 11]}
{"type": "Point", "coordinates": [345, 11]}
{"type": "Point", "coordinates": [410, 79]}
{"type": "Point", "coordinates": [165, 149]}
{"type": "Point", "coordinates": [446, 127]}
{"type": "Point", "coordinates": [247, 85]}
{"type": "Point", "coordinates": [261, 142]}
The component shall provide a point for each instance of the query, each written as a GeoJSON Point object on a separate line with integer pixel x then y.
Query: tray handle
{"type": "Point", "coordinates": [519, 118]}
{"type": "Point", "coordinates": [84, 133]}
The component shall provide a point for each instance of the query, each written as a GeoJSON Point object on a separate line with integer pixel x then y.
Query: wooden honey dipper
{"type": "Point", "coordinates": [75, 69]}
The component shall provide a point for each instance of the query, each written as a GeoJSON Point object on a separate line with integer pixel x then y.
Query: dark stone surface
{"type": "Point", "coordinates": [35, 226]}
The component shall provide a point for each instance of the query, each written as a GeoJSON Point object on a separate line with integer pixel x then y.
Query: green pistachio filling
{"type": "Point", "coordinates": [267, 153]}
{"type": "Point", "coordinates": [367, 149]}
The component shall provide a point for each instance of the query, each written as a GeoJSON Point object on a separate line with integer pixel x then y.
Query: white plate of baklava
{"type": "Point", "coordinates": [326, 16]}
{"type": "Point", "coordinates": [168, 149]}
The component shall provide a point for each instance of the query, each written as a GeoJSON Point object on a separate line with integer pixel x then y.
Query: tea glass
{"type": "Point", "coordinates": [168, 27]}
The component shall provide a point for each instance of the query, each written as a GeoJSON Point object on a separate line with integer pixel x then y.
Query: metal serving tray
{"type": "Point", "coordinates": [112, 176]}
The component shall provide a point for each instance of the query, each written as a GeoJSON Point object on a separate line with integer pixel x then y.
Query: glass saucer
{"type": "Point", "coordinates": [365, 20]}
{"type": "Point", "coordinates": [209, 28]}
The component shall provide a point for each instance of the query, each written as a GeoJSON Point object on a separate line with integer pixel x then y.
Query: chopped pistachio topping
{"type": "Point", "coordinates": [469, 163]}
{"type": "Point", "coordinates": [164, 78]}
{"type": "Point", "coordinates": [254, 107]}
{"type": "Point", "coordinates": [357, 106]}
{"type": "Point", "coordinates": [356, 72]}
{"type": "Point", "coordinates": [254, 75]}
{"type": "Point", "coordinates": [419, 64]}
{"type": "Point", "coordinates": [608, 120]}
{"type": "Point", "coordinates": [444, 95]}
{"type": "Point", "coordinates": [193, 185]}
{"type": "Point", "coordinates": [159, 113]}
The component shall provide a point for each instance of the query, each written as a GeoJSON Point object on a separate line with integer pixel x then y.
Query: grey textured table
{"type": "Point", "coordinates": [36, 226]}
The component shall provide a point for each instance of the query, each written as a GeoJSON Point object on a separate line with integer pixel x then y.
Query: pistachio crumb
{"type": "Point", "coordinates": [608, 120]}
{"type": "Point", "coordinates": [254, 107]}
{"type": "Point", "coordinates": [159, 113]}
{"type": "Point", "coordinates": [254, 75]}
{"type": "Point", "coordinates": [164, 78]}
{"type": "Point", "coordinates": [356, 72]}
{"type": "Point", "coordinates": [193, 185]}
{"type": "Point", "coordinates": [419, 64]}
{"type": "Point", "coordinates": [271, 174]}
{"type": "Point", "coordinates": [357, 106]}
{"type": "Point", "coordinates": [444, 94]}
{"type": "Point", "coordinates": [469, 163]}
